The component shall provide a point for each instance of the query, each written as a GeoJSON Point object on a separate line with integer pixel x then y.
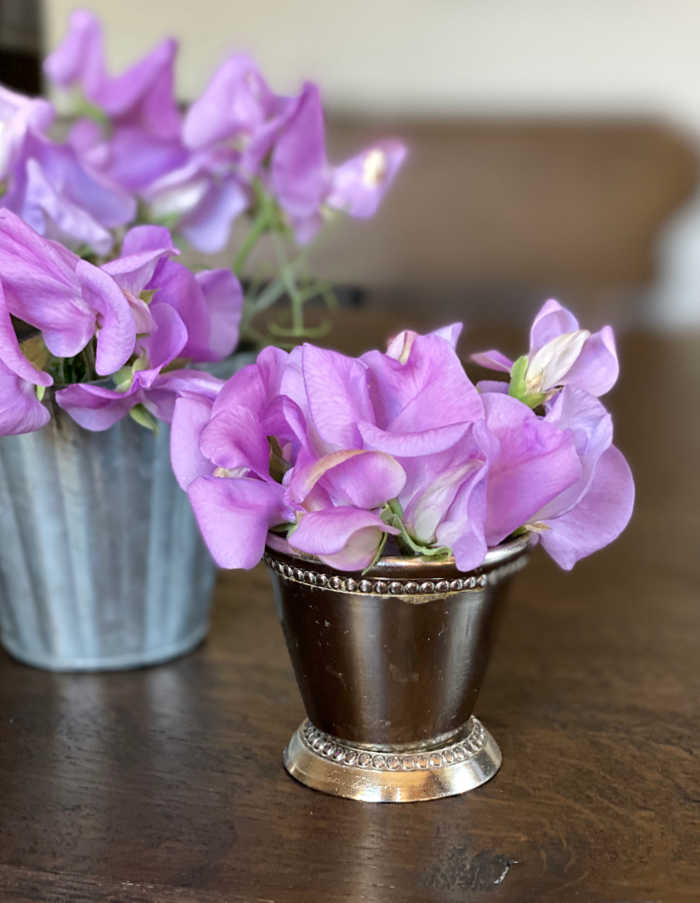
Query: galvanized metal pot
{"type": "Point", "coordinates": [101, 561]}
{"type": "Point", "coordinates": [389, 666]}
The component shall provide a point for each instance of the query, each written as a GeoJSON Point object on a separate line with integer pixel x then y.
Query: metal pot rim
{"type": "Point", "coordinates": [392, 564]}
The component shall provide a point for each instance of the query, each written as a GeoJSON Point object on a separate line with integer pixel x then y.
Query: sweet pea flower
{"type": "Point", "coordinates": [209, 302]}
{"type": "Point", "coordinates": [142, 140]}
{"type": "Point", "coordinates": [561, 354]}
{"type": "Point", "coordinates": [142, 95]}
{"type": "Point", "coordinates": [60, 197]}
{"type": "Point", "coordinates": [49, 186]}
{"type": "Point", "coordinates": [146, 312]}
{"type": "Point", "coordinates": [66, 298]}
{"type": "Point", "coordinates": [19, 114]}
{"type": "Point", "coordinates": [337, 501]}
{"type": "Point", "coordinates": [592, 512]}
{"type": "Point", "coordinates": [327, 496]}
{"type": "Point", "coordinates": [307, 187]}
{"type": "Point", "coordinates": [444, 505]}
{"type": "Point", "coordinates": [226, 132]}
{"type": "Point", "coordinates": [97, 407]}
{"type": "Point", "coordinates": [317, 453]}
{"type": "Point", "coordinates": [531, 462]}
{"type": "Point", "coordinates": [191, 316]}
{"type": "Point", "coordinates": [430, 416]}
{"type": "Point", "coordinates": [205, 195]}
{"type": "Point", "coordinates": [20, 409]}
{"type": "Point", "coordinates": [558, 477]}
{"type": "Point", "coordinates": [220, 456]}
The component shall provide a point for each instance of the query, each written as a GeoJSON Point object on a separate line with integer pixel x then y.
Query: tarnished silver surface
{"type": "Point", "coordinates": [389, 665]}
{"type": "Point", "coordinates": [101, 561]}
{"type": "Point", "coordinates": [333, 766]}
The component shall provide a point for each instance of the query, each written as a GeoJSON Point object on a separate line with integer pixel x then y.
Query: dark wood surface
{"type": "Point", "coordinates": [167, 784]}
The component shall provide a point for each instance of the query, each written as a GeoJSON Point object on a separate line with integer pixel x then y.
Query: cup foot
{"type": "Point", "coordinates": [335, 766]}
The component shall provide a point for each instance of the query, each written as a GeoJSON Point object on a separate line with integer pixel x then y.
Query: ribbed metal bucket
{"type": "Point", "coordinates": [101, 561]}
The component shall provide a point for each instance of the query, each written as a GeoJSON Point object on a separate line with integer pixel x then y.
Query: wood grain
{"type": "Point", "coordinates": [166, 784]}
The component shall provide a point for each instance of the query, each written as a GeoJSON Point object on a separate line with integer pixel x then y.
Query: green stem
{"type": "Point", "coordinates": [422, 551]}
{"type": "Point", "coordinates": [260, 224]}
{"type": "Point", "coordinates": [287, 274]}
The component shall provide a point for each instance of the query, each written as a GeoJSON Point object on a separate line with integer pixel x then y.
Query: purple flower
{"type": "Point", "coordinates": [226, 132]}
{"type": "Point", "coordinates": [205, 194]}
{"type": "Point", "coordinates": [144, 310]}
{"type": "Point", "coordinates": [143, 139]}
{"type": "Point", "coordinates": [142, 95]}
{"type": "Point", "coordinates": [48, 185]}
{"type": "Point", "coordinates": [423, 399]}
{"type": "Point", "coordinates": [444, 503]}
{"type": "Point", "coordinates": [345, 538]}
{"type": "Point", "coordinates": [97, 407]}
{"type": "Point", "coordinates": [220, 455]}
{"type": "Point", "coordinates": [193, 317]}
{"type": "Point", "coordinates": [319, 453]}
{"type": "Point", "coordinates": [560, 354]}
{"type": "Point", "coordinates": [66, 298]}
{"type": "Point", "coordinates": [430, 416]}
{"type": "Point", "coordinates": [237, 107]}
{"type": "Point", "coordinates": [304, 183]}
{"type": "Point", "coordinates": [209, 302]}
{"type": "Point", "coordinates": [592, 512]}
{"type": "Point", "coordinates": [19, 114]}
{"type": "Point", "coordinates": [337, 499]}
{"type": "Point", "coordinates": [559, 476]}
{"type": "Point", "coordinates": [20, 409]}
{"type": "Point", "coordinates": [531, 462]}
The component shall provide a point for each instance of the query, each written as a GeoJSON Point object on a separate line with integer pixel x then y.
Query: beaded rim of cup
{"type": "Point", "coordinates": [343, 753]}
{"type": "Point", "coordinates": [390, 586]}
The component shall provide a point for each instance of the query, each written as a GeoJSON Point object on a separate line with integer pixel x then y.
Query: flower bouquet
{"type": "Point", "coordinates": [102, 564]}
{"type": "Point", "coordinates": [240, 155]}
{"type": "Point", "coordinates": [392, 498]}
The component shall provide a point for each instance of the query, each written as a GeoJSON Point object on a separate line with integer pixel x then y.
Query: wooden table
{"type": "Point", "coordinates": [167, 784]}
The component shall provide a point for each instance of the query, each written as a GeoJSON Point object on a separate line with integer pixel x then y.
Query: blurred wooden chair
{"type": "Point", "coordinates": [494, 213]}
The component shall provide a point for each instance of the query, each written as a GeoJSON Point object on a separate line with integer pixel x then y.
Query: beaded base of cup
{"type": "Point", "coordinates": [399, 774]}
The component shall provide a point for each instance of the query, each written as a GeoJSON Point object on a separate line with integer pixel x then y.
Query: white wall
{"type": "Point", "coordinates": [432, 55]}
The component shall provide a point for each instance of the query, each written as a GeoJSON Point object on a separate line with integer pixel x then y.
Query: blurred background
{"type": "Point", "coordinates": [553, 145]}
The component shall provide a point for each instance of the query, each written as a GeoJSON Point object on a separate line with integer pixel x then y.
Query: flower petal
{"type": "Point", "coordinates": [233, 104]}
{"type": "Point", "coordinates": [338, 397]}
{"type": "Point", "coordinates": [362, 479]}
{"type": "Point", "coordinates": [492, 360]}
{"type": "Point", "coordinates": [117, 335]}
{"type": "Point", "coordinates": [233, 439]}
{"type": "Point", "coordinates": [531, 463]}
{"type": "Point", "coordinates": [410, 445]}
{"type": "Point", "coordinates": [235, 515]}
{"type": "Point", "coordinates": [254, 385]}
{"type": "Point", "coordinates": [551, 321]}
{"type": "Point", "coordinates": [299, 175]}
{"type": "Point", "coordinates": [224, 300]}
{"type": "Point", "coordinates": [599, 517]}
{"type": "Point", "coordinates": [190, 417]}
{"type": "Point", "coordinates": [359, 185]}
{"type": "Point", "coordinates": [94, 407]}
{"type": "Point", "coordinates": [20, 410]}
{"type": "Point", "coordinates": [426, 388]}
{"type": "Point", "coordinates": [10, 353]}
{"type": "Point", "coordinates": [597, 367]}
{"type": "Point", "coordinates": [592, 431]}
{"type": "Point", "coordinates": [345, 538]}
{"type": "Point", "coordinates": [208, 227]}
{"type": "Point", "coordinates": [142, 250]}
